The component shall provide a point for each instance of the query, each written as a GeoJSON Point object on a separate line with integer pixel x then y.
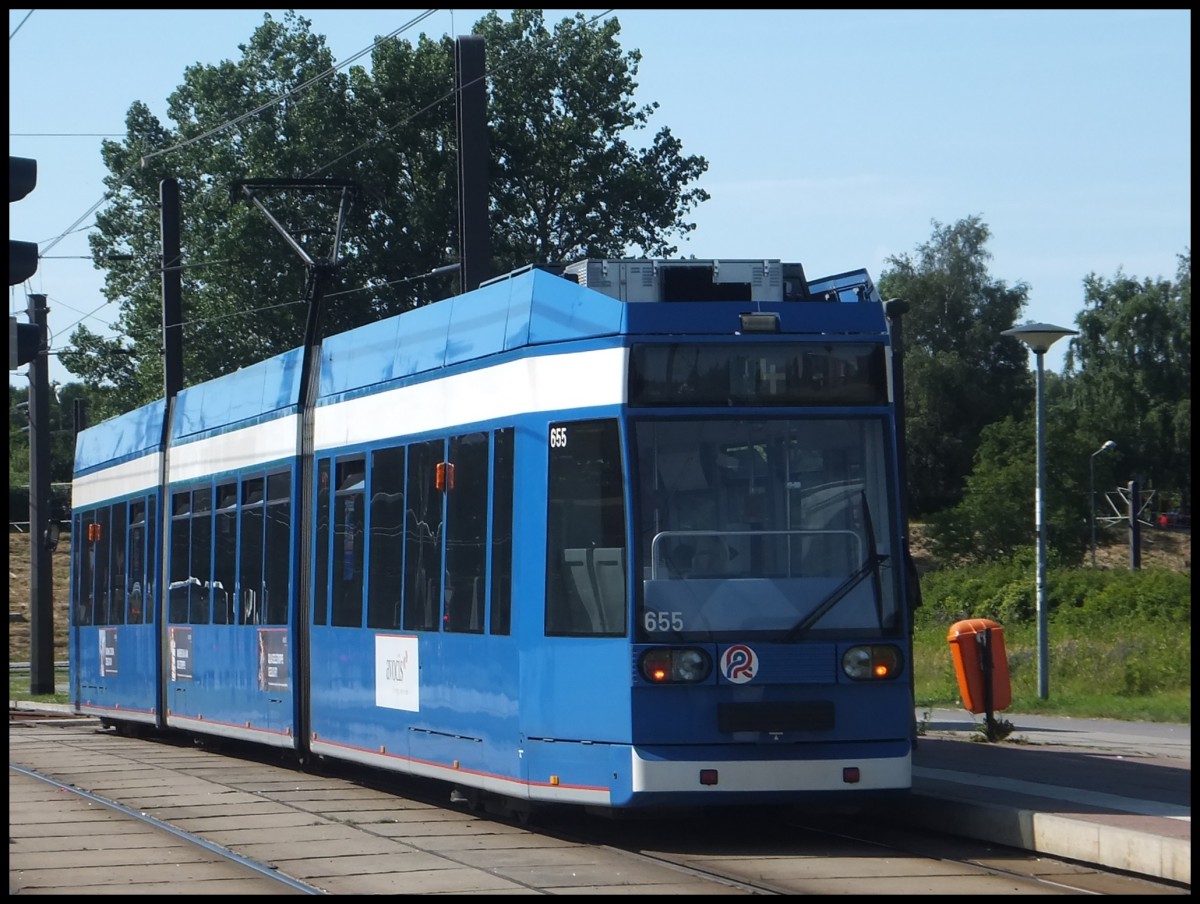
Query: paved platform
{"type": "Point", "coordinates": [1109, 793]}
{"type": "Point", "coordinates": [1115, 794]}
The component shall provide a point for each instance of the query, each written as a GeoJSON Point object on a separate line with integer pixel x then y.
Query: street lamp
{"type": "Point", "coordinates": [1039, 337]}
{"type": "Point", "coordinates": [1108, 444]}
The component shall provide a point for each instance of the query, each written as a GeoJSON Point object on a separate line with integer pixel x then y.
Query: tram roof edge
{"type": "Point", "coordinates": [127, 435]}
{"type": "Point", "coordinates": [533, 308]}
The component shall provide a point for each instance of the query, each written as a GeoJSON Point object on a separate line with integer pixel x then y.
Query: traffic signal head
{"type": "Point", "coordinates": [22, 256]}
{"type": "Point", "coordinates": [22, 177]}
{"type": "Point", "coordinates": [24, 342]}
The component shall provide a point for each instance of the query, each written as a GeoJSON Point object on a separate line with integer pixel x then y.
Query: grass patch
{"type": "Point", "coordinates": [1128, 670]}
{"type": "Point", "coordinates": [19, 684]}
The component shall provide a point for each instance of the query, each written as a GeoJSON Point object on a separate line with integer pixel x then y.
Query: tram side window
{"type": "Point", "coordinates": [277, 558]}
{"type": "Point", "coordinates": [250, 570]}
{"type": "Point", "coordinates": [585, 531]}
{"type": "Point", "coordinates": [200, 574]}
{"type": "Point", "coordinates": [321, 581]}
{"type": "Point", "coordinates": [423, 538]}
{"type": "Point", "coordinates": [85, 554]}
{"type": "Point", "coordinates": [502, 532]}
{"type": "Point", "coordinates": [387, 538]}
{"type": "Point", "coordinates": [150, 574]}
{"type": "Point", "coordinates": [103, 550]}
{"type": "Point", "coordinates": [348, 542]}
{"type": "Point", "coordinates": [224, 585]}
{"type": "Point", "coordinates": [117, 575]}
{"type": "Point", "coordinates": [465, 486]}
{"type": "Point", "coordinates": [135, 579]}
{"type": "Point", "coordinates": [179, 586]}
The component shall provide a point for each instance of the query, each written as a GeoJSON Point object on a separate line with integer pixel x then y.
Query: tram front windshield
{"type": "Point", "coordinates": [765, 528]}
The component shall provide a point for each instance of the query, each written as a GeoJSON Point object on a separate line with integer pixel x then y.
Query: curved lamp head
{"type": "Point", "coordinates": [1039, 336]}
{"type": "Point", "coordinates": [1108, 444]}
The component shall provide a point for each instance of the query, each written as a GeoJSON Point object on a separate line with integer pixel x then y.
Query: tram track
{"type": "Point", "coordinates": [277, 882]}
{"type": "Point", "coordinates": [458, 848]}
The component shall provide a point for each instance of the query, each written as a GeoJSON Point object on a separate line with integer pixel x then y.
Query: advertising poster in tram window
{"type": "Point", "coordinates": [181, 654]}
{"type": "Point", "coordinates": [273, 672]}
{"type": "Point", "coordinates": [108, 652]}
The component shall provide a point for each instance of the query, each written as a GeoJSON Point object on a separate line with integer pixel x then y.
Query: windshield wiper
{"type": "Point", "coordinates": [869, 567]}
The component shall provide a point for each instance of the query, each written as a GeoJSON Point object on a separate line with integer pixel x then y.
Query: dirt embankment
{"type": "Point", "coordinates": [19, 582]}
{"type": "Point", "coordinates": [1160, 549]}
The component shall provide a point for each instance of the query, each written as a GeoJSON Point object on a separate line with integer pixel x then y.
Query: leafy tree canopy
{"type": "Point", "coordinates": [960, 373]}
{"type": "Point", "coordinates": [995, 518]}
{"type": "Point", "coordinates": [1127, 378]}
{"type": "Point", "coordinates": [1131, 368]}
{"type": "Point", "coordinates": [566, 180]}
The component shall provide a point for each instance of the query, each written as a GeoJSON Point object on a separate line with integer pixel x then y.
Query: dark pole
{"type": "Point", "coordinates": [474, 240]}
{"type": "Point", "coordinates": [41, 596]}
{"type": "Point", "coordinates": [1135, 528]}
{"type": "Point", "coordinates": [320, 274]}
{"type": "Point", "coordinates": [172, 289]}
{"type": "Point", "coordinates": [172, 325]}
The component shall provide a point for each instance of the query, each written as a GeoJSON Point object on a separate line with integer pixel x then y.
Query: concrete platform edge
{"type": "Point", "coordinates": [1058, 836]}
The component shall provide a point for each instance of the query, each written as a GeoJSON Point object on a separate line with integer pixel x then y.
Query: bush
{"type": "Point", "coordinates": [1006, 592]}
{"type": "Point", "coordinates": [1119, 640]}
{"type": "Point", "coordinates": [1149, 595]}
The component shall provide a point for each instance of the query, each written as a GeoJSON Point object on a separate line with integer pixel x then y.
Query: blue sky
{"type": "Point", "coordinates": [834, 138]}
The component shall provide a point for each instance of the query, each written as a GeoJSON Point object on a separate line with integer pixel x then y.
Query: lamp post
{"type": "Point", "coordinates": [1108, 444]}
{"type": "Point", "coordinates": [1039, 337]}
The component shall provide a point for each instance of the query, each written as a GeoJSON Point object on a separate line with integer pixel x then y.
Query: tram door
{"type": "Point", "coordinates": [586, 597]}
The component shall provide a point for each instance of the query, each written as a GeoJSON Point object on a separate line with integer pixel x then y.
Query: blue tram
{"type": "Point", "coordinates": [620, 534]}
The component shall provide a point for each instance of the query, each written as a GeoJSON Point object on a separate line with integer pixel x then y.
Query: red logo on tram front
{"type": "Point", "coordinates": [739, 664]}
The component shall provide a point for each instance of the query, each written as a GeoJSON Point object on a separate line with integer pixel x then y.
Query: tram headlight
{"type": "Point", "coordinates": [667, 665]}
{"type": "Point", "coordinates": [877, 662]}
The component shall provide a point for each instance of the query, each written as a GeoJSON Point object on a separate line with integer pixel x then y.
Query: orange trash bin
{"type": "Point", "coordinates": [977, 646]}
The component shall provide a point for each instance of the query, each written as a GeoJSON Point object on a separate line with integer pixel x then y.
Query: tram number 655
{"type": "Point", "coordinates": [558, 437]}
{"type": "Point", "coordinates": [663, 621]}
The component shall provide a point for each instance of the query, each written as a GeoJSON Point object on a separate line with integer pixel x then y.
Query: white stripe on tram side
{"type": "Point", "coordinates": [128, 477]}
{"type": "Point", "coordinates": [542, 383]}
{"type": "Point", "coordinates": [261, 444]}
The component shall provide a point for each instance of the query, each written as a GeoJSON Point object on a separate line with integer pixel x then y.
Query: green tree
{"type": "Point", "coordinates": [1132, 368]}
{"type": "Point", "coordinates": [995, 519]}
{"type": "Point", "coordinates": [567, 182]}
{"type": "Point", "coordinates": [564, 183]}
{"type": "Point", "coordinates": [960, 373]}
{"type": "Point", "coordinates": [60, 418]}
{"type": "Point", "coordinates": [1127, 378]}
